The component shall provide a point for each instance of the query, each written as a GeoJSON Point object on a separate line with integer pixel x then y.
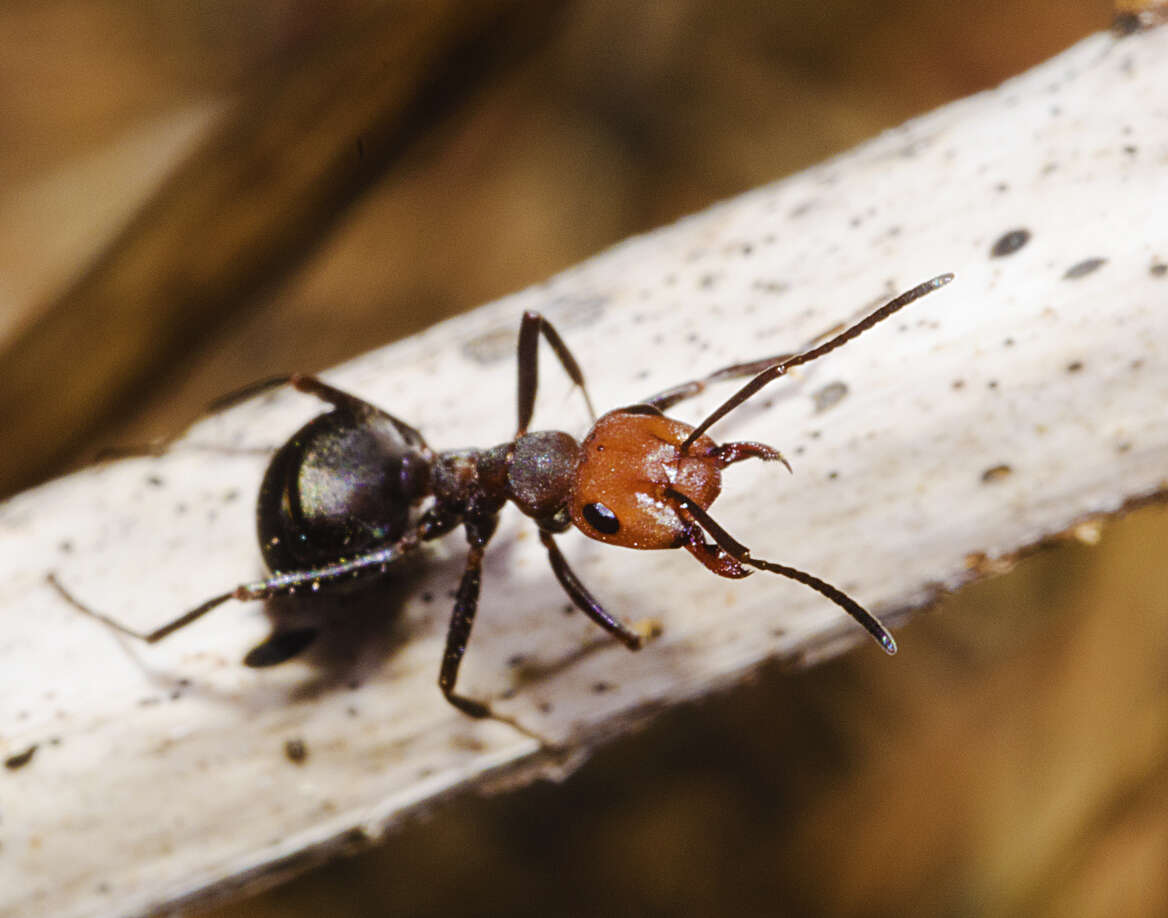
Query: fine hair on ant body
{"type": "Point", "coordinates": [355, 489]}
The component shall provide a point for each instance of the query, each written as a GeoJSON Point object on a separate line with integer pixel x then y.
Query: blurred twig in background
{"type": "Point", "coordinates": [251, 259]}
{"type": "Point", "coordinates": [267, 185]}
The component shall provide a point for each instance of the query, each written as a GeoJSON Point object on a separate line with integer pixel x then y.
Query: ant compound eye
{"type": "Point", "coordinates": [600, 518]}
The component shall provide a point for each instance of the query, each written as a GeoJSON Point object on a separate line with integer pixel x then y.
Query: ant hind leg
{"type": "Point", "coordinates": [345, 401]}
{"type": "Point", "coordinates": [148, 637]}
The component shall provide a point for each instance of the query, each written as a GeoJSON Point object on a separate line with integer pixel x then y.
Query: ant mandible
{"type": "Point", "coordinates": [342, 499]}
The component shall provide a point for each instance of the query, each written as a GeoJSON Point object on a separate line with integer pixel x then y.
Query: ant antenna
{"type": "Point", "coordinates": [779, 369]}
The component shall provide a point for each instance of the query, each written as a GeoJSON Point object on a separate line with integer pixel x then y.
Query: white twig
{"type": "Point", "coordinates": [1020, 401]}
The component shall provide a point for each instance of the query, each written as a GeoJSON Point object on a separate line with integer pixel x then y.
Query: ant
{"type": "Point", "coordinates": [342, 499]}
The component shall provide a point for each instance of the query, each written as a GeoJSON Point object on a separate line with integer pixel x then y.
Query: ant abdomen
{"type": "Point", "coordinates": [342, 483]}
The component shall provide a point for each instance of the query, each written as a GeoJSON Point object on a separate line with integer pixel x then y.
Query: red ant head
{"type": "Point", "coordinates": [629, 460]}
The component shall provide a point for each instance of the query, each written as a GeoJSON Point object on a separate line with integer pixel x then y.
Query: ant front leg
{"type": "Point", "coordinates": [585, 601]}
{"type": "Point", "coordinates": [530, 328]}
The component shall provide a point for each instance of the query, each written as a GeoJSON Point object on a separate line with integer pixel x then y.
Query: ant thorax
{"type": "Point", "coordinates": [535, 471]}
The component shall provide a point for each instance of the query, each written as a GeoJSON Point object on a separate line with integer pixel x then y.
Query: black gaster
{"type": "Point", "coordinates": [341, 484]}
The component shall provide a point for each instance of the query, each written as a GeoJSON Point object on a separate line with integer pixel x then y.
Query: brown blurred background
{"type": "Point", "coordinates": [317, 217]}
{"type": "Point", "coordinates": [1013, 760]}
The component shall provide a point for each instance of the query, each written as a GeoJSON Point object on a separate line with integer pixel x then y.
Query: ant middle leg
{"type": "Point", "coordinates": [466, 604]}
{"type": "Point", "coordinates": [532, 326]}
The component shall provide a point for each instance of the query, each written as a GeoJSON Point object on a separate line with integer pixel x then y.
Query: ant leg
{"type": "Point", "coordinates": [741, 554]}
{"type": "Point", "coordinates": [243, 393]}
{"type": "Point", "coordinates": [370, 563]}
{"type": "Point", "coordinates": [583, 600]}
{"type": "Point", "coordinates": [149, 637]}
{"type": "Point", "coordinates": [458, 634]}
{"type": "Point", "coordinates": [279, 647]}
{"type": "Point", "coordinates": [302, 382]}
{"type": "Point", "coordinates": [161, 445]}
{"type": "Point", "coordinates": [338, 398]}
{"type": "Point", "coordinates": [466, 604]}
{"type": "Point", "coordinates": [530, 328]}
